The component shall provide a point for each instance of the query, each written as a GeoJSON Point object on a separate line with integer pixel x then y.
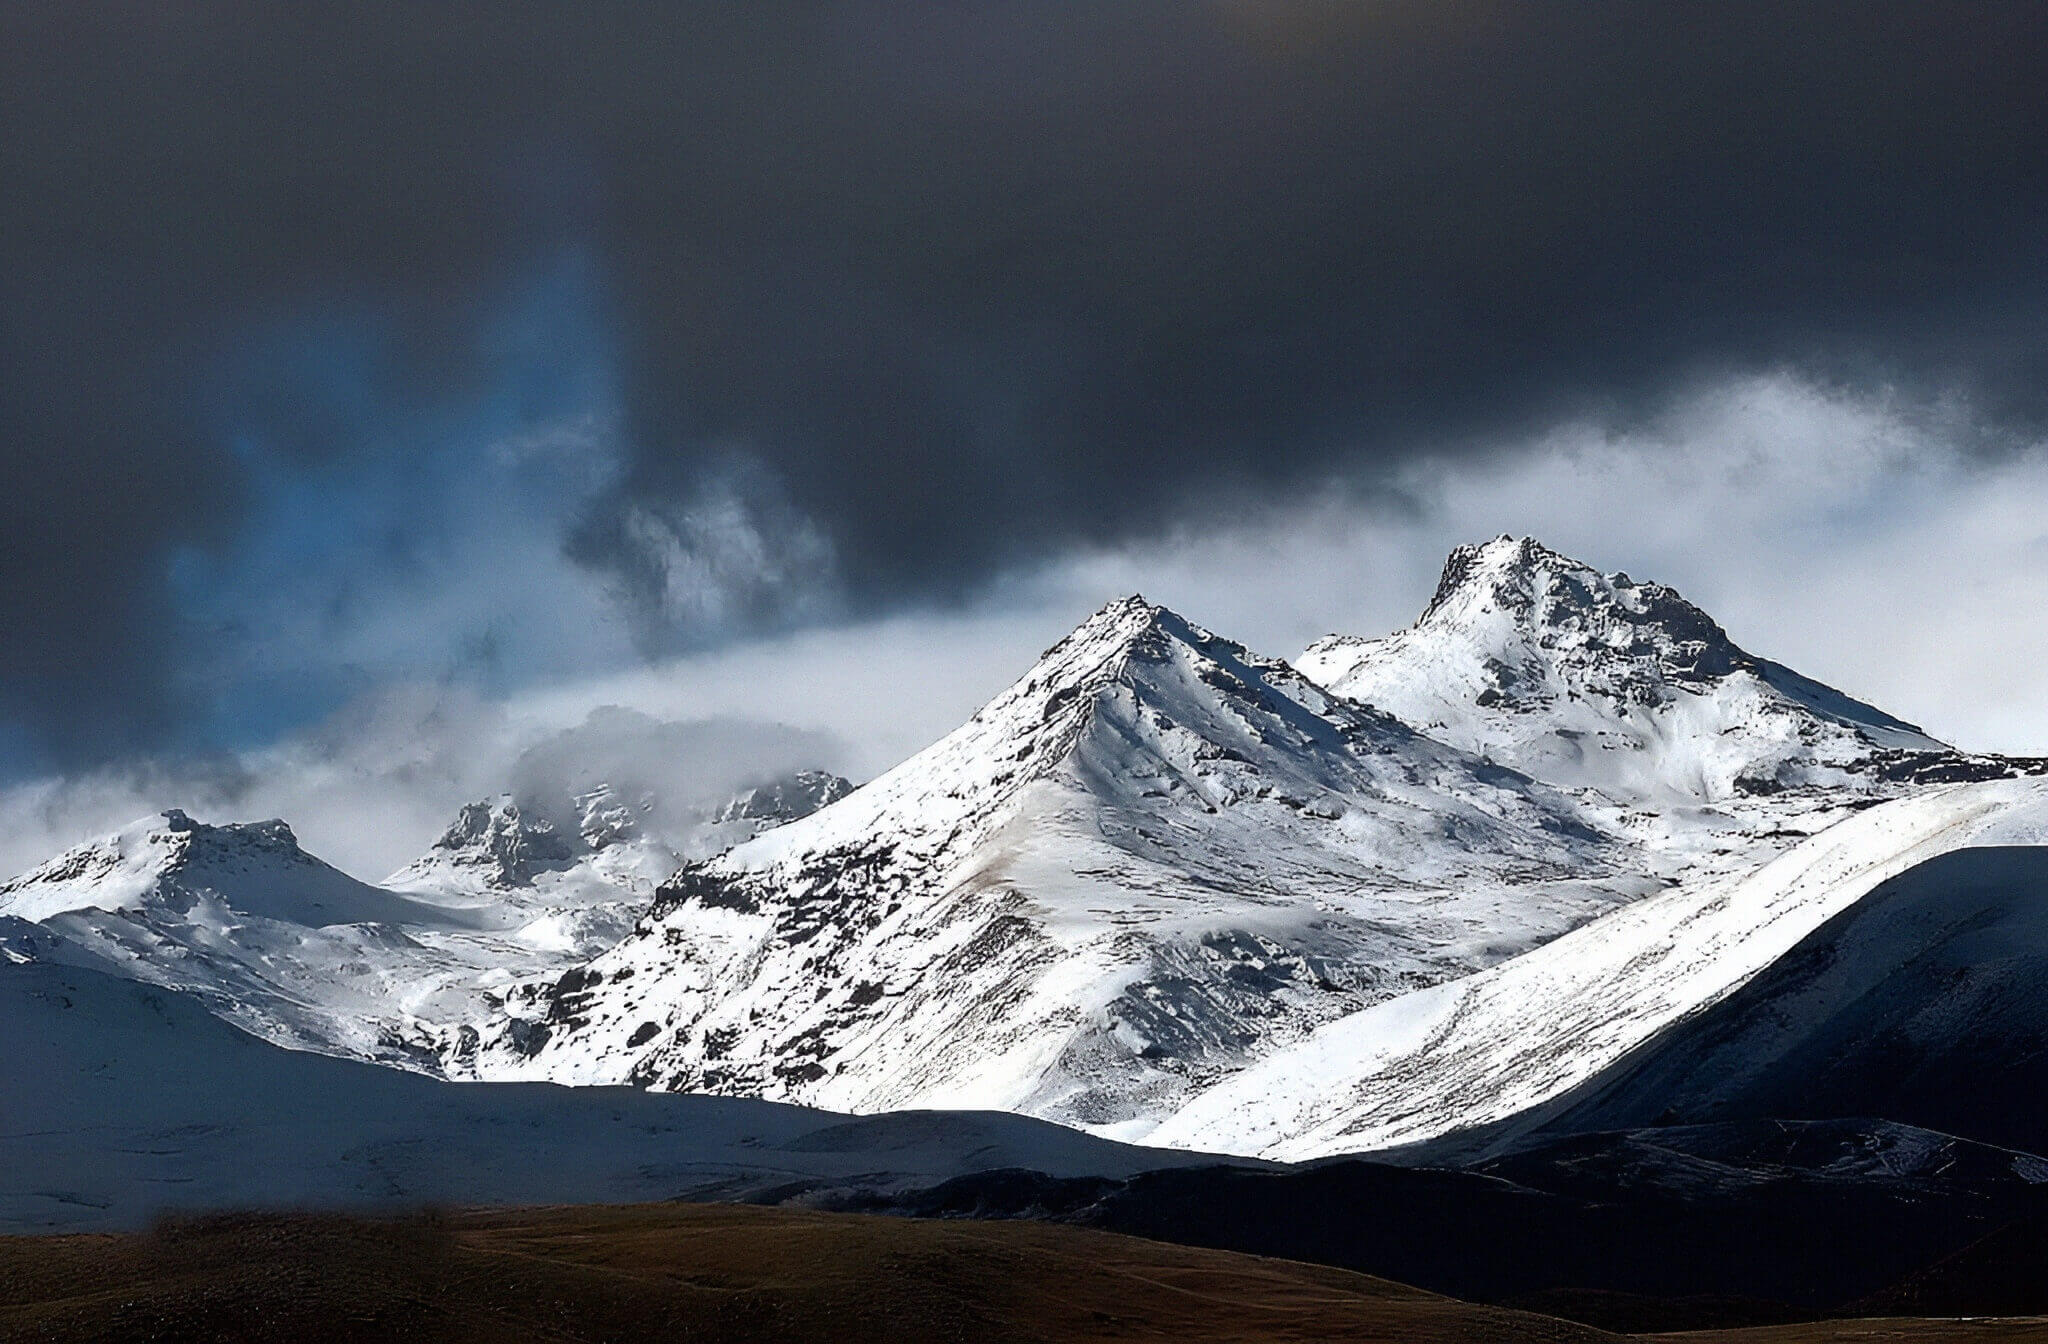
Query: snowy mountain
{"type": "Point", "coordinates": [268, 936]}
{"type": "Point", "coordinates": [1152, 858]}
{"type": "Point", "coordinates": [490, 845]}
{"type": "Point", "coordinates": [1595, 680]}
{"type": "Point", "coordinates": [175, 865]}
{"type": "Point", "coordinates": [122, 1100]}
{"type": "Point", "coordinates": [1170, 890]}
{"type": "Point", "coordinates": [280, 943]}
{"type": "Point", "coordinates": [1501, 1054]}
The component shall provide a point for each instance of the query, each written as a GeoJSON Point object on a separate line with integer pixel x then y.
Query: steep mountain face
{"type": "Point", "coordinates": [1934, 986]}
{"type": "Point", "coordinates": [1152, 858]}
{"type": "Point", "coordinates": [1595, 680]}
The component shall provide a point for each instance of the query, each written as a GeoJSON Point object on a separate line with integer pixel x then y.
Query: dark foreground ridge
{"type": "Point", "coordinates": [720, 1273]}
{"type": "Point", "coordinates": [1687, 1227]}
{"type": "Point", "coordinates": [698, 1272]}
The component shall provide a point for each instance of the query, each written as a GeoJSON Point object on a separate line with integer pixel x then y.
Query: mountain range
{"type": "Point", "coordinates": [1558, 859]}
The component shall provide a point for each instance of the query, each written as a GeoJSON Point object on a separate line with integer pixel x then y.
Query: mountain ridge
{"type": "Point", "coordinates": [1151, 850]}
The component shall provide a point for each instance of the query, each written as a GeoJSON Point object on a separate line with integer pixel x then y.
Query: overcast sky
{"type": "Point", "coordinates": [382, 388]}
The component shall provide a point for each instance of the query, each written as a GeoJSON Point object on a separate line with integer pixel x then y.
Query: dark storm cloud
{"type": "Point", "coordinates": [967, 282]}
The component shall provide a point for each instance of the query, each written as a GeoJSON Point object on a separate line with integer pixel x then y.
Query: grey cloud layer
{"type": "Point", "coordinates": [969, 284]}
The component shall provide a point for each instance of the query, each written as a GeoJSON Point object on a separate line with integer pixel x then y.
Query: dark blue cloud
{"type": "Point", "coordinates": [890, 299]}
{"type": "Point", "coordinates": [388, 531]}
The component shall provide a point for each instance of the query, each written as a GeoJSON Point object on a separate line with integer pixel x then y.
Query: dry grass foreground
{"type": "Point", "coordinates": [722, 1273]}
{"type": "Point", "coordinates": [696, 1272]}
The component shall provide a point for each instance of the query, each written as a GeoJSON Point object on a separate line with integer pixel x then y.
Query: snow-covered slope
{"type": "Point", "coordinates": [118, 1100]}
{"type": "Point", "coordinates": [268, 936]}
{"type": "Point", "coordinates": [1926, 1001]}
{"type": "Point", "coordinates": [1499, 1052]}
{"type": "Point", "coordinates": [1594, 680]}
{"type": "Point", "coordinates": [1152, 858]}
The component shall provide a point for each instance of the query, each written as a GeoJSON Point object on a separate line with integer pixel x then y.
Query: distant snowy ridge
{"type": "Point", "coordinates": [1153, 857]}
{"type": "Point", "coordinates": [173, 863]}
{"type": "Point", "coordinates": [499, 844]}
{"type": "Point", "coordinates": [784, 800]}
{"type": "Point", "coordinates": [262, 933]}
{"type": "Point", "coordinates": [283, 945]}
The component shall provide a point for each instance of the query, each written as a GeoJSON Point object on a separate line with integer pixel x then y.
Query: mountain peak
{"type": "Point", "coordinates": [1538, 585]}
{"type": "Point", "coordinates": [1581, 677]}
{"type": "Point", "coordinates": [1514, 591]}
{"type": "Point", "coordinates": [1114, 623]}
{"type": "Point", "coordinates": [274, 835]}
{"type": "Point", "coordinates": [1132, 607]}
{"type": "Point", "coordinates": [1095, 652]}
{"type": "Point", "coordinates": [1490, 565]}
{"type": "Point", "coordinates": [508, 848]}
{"type": "Point", "coordinates": [172, 860]}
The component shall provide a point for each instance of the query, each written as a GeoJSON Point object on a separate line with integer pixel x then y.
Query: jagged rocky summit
{"type": "Point", "coordinates": [1596, 680]}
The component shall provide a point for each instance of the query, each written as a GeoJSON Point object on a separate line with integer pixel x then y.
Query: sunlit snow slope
{"type": "Point", "coordinates": [1498, 1053]}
